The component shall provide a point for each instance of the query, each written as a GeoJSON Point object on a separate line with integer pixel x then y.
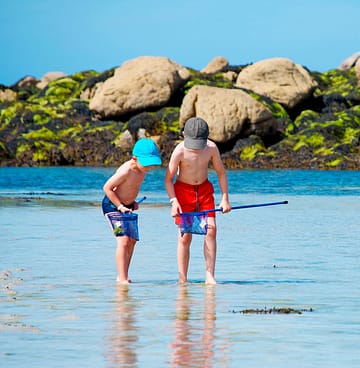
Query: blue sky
{"type": "Point", "coordinates": [38, 36]}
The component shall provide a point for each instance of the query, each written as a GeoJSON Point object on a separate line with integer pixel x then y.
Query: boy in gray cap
{"type": "Point", "coordinates": [193, 192]}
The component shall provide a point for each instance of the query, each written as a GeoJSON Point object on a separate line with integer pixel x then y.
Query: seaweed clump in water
{"type": "Point", "coordinates": [283, 310]}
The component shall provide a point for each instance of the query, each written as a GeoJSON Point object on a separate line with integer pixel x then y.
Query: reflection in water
{"type": "Point", "coordinates": [194, 345]}
{"type": "Point", "coordinates": [123, 334]}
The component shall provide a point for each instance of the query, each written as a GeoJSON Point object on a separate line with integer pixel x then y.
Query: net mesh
{"type": "Point", "coordinates": [124, 224]}
{"type": "Point", "coordinates": [193, 223]}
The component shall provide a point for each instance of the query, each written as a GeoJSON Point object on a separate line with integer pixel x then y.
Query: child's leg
{"type": "Point", "coordinates": [183, 255]}
{"type": "Point", "coordinates": [130, 252]}
{"type": "Point", "coordinates": [124, 252]}
{"type": "Point", "coordinates": [210, 251]}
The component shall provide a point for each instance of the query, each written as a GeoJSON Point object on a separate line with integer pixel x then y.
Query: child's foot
{"type": "Point", "coordinates": [123, 282]}
{"type": "Point", "coordinates": [182, 278]}
{"type": "Point", "coordinates": [210, 280]}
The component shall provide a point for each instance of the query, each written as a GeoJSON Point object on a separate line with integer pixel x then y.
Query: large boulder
{"type": "Point", "coordinates": [230, 113]}
{"type": "Point", "coordinates": [143, 83]}
{"type": "Point", "coordinates": [279, 79]}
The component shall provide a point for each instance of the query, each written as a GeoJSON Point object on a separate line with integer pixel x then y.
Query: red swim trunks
{"type": "Point", "coordinates": [195, 198]}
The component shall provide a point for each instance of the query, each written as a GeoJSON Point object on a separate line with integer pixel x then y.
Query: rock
{"type": "Point", "coordinates": [230, 75]}
{"type": "Point", "coordinates": [7, 95]}
{"type": "Point", "coordinates": [27, 81]}
{"type": "Point", "coordinates": [230, 113]}
{"type": "Point", "coordinates": [125, 140]}
{"type": "Point", "coordinates": [279, 79]}
{"type": "Point", "coordinates": [89, 93]}
{"type": "Point", "coordinates": [94, 83]}
{"type": "Point", "coordinates": [216, 65]}
{"type": "Point", "coordinates": [143, 83]}
{"type": "Point", "coordinates": [253, 140]}
{"type": "Point", "coordinates": [54, 125]}
{"type": "Point", "coordinates": [25, 87]}
{"type": "Point", "coordinates": [357, 71]}
{"type": "Point", "coordinates": [349, 62]}
{"type": "Point", "coordinates": [49, 77]}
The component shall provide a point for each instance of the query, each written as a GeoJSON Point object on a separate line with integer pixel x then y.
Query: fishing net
{"type": "Point", "coordinates": [193, 223]}
{"type": "Point", "coordinates": [124, 224]}
{"type": "Point", "coordinates": [196, 222]}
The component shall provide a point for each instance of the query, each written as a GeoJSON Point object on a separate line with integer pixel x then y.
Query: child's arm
{"type": "Point", "coordinates": [169, 183]}
{"type": "Point", "coordinates": [223, 182]}
{"type": "Point", "coordinates": [111, 186]}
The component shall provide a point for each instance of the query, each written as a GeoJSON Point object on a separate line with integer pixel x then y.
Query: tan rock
{"type": "Point", "coordinates": [125, 140]}
{"type": "Point", "coordinates": [7, 95]}
{"type": "Point", "coordinates": [279, 79]}
{"type": "Point", "coordinates": [230, 113]}
{"type": "Point", "coordinates": [216, 65]}
{"type": "Point", "coordinates": [27, 81]}
{"type": "Point", "coordinates": [139, 84]}
{"type": "Point", "coordinates": [49, 77]}
{"type": "Point", "coordinates": [89, 93]}
{"type": "Point", "coordinates": [349, 62]}
{"type": "Point", "coordinates": [230, 75]}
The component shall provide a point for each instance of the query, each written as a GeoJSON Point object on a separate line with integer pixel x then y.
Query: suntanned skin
{"type": "Point", "coordinates": [122, 189]}
{"type": "Point", "coordinates": [191, 167]}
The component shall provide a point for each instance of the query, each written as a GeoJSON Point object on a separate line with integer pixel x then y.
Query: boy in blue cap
{"type": "Point", "coordinates": [118, 204]}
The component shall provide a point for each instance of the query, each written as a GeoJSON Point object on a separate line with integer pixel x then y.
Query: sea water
{"type": "Point", "coordinates": [61, 307]}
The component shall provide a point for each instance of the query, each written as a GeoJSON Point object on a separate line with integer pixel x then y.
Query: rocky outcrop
{"type": "Point", "coordinates": [144, 83]}
{"type": "Point", "coordinates": [272, 114]}
{"type": "Point", "coordinates": [279, 79]}
{"type": "Point", "coordinates": [230, 113]}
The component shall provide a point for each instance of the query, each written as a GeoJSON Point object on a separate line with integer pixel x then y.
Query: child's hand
{"type": "Point", "coordinates": [175, 208]}
{"type": "Point", "coordinates": [124, 209]}
{"type": "Point", "coordinates": [226, 206]}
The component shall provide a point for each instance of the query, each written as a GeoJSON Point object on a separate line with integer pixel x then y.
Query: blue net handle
{"type": "Point", "coordinates": [234, 208]}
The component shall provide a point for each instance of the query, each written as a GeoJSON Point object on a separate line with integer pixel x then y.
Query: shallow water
{"type": "Point", "coordinates": [60, 305]}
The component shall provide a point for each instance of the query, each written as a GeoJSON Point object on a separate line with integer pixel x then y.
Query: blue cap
{"type": "Point", "coordinates": [147, 152]}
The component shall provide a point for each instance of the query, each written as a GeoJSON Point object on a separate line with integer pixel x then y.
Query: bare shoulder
{"type": "Point", "coordinates": [180, 147]}
{"type": "Point", "coordinates": [178, 150]}
{"type": "Point", "coordinates": [212, 147]}
{"type": "Point", "coordinates": [123, 170]}
{"type": "Point", "coordinates": [211, 144]}
{"type": "Point", "coordinates": [124, 167]}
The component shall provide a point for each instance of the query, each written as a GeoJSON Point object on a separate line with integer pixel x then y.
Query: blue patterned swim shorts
{"type": "Point", "coordinates": [122, 224]}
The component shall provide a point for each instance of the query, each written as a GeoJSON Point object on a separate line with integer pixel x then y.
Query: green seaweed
{"type": "Point", "coordinates": [249, 152]}
{"type": "Point", "coordinates": [213, 80]}
{"type": "Point", "coordinates": [276, 109]}
{"type": "Point", "coordinates": [274, 310]}
{"type": "Point", "coordinates": [336, 81]}
{"type": "Point", "coordinates": [40, 134]}
{"type": "Point", "coordinates": [334, 163]}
